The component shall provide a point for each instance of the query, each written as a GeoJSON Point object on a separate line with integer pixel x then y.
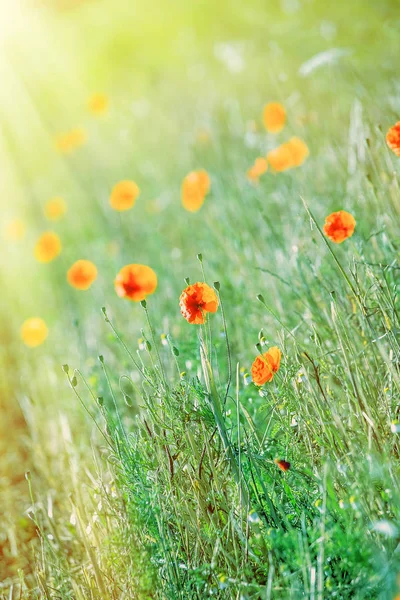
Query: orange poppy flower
{"type": "Point", "coordinates": [48, 247]}
{"type": "Point", "coordinates": [68, 141]}
{"type": "Point", "coordinates": [123, 195]}
{"type": "Point", "coordinates": [15, 230]}
{"type": "Point", "coordinates": [204, 181]}
{"type": "Point", "coordinates": [55, 209]}
{"type": "Point", "coordinates": [393, 138]}
{"type": "Point", "coordinates": [339, 226]}
{"type": "Point", "coordinates": [82, 274]}
{"type": "Point", "coordinates": [281, 158]}
{"type": "Point", "coordinates": [284, 465]}
{"type": "Point", "coordinates": [266, 365]}
{"type": "Point", "coordinates": [135, 282]}
{"type": "Point", "coordinates": [98, 104]}
{"type": "Point", "coordinates": [274, 117]}
{"type": "Point", "coordinates": [196, 300]}
{"type": "Point", "coordinates": [299, 151]}
{"type": "Point", "coordinates": [195, 187]}
{"type": "Point", "coordinates": [34, 331]}
{"type": "Point", "coordinates": [286, 156]}
{"type": "Point", "coordinates": [259, 167]}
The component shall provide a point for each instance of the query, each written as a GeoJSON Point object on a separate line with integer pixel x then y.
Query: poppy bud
{"type": "Point", "coordinates": [128, 400]}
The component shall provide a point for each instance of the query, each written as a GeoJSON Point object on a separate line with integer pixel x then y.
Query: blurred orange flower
{"type": "Point", "coordinates": [266, 365]}
{"type": "Point", "coordinates": [393, 138]}
{"type": "Point", "coordinates": [48, 247]}
{"type": "Point", "coordinates": [274, 117]}
{"type": "Point", "coordinates": [284, 465]}
{"type": "Point", "coordinates": [339, 226]}
{"type": "Point", "coordinates": [299, 151]}
{"type": "Point", "coordinates": [135, 282]}
{"type": "Point", "coordinates": [98, 104]}
{"type": "Point", "coordinates": [34, 331]}
{"type": "Point", "coordinates": [196, 300]}
{"type": "Point", "coordinates": [68, 141]}
{"type": "Point", "coordinates": [55, 209]}
{"type": "Point", "coordinates": [195, 187]}
{"type": "Point", "coordinates": [260, 166]}
{"type": "Point", "coordinates": [280, 158]}
{"type": "Point", "coordinates": [82, 274]}
{"type": "Point", "coordinates": [15, 230]}
{"type": "Point", "coordinates": [286, 156]}
{"type": "Point", "coordinates": [123, 195]}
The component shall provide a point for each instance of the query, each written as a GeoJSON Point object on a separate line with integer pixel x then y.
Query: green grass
{"type": "Point", "coordinates": [151, 463]}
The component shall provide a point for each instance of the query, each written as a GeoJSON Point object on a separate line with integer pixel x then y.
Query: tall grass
{"type": "Point", "coordinates": [197, 465]}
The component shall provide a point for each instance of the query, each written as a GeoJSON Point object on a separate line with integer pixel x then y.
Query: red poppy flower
{"type": "Point", "coordinates": [195, 187]}
{"type": "Point", "coordinates": [284, 465]}
{"type": "Point", "coordinates": [393, 138]}
{"type": "Point", "coordinates": [123, 195]}
{"type": "Point", "coordinates": [260, 166]}
{"type": "Point", "coordinates": [82, 274]}
{"type": "Point", "coordinates": [34, 332]}
{"type": "Point", "coordinates": [48, 247]}
{"type": "Point", "coordinates": [135, 282]}
{"type": "Point", "coordinates": [274, 117]}
{"type": "Point", "coordinates": [196, 300]}
{"type": "Point", "coordinates": [339, 226]}
{"type": "Point", "coordinates": [266, 365]}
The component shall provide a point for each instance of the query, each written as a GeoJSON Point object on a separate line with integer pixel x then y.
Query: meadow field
{"type": "Point", "coordinates": [199, 316]}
